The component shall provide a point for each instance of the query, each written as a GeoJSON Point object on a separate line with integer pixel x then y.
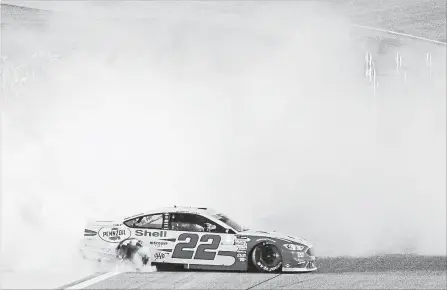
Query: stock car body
{"type": "Point", "coordinates": [195, 238]}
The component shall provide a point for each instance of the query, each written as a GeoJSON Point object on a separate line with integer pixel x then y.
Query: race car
{"type": "Point", "coordinates": [195, 238]}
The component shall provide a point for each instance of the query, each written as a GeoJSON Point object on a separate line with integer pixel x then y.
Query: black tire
{"type": "Point", "coordinates": [266, 258]}
{"type": "Point", "coordinates": [132, 253]}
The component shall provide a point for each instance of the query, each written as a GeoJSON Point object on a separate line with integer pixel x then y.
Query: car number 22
{"type": "Point", "coordinates": [205, 250]}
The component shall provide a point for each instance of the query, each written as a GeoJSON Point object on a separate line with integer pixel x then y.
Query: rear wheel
{"type": "Point", "coordinates": [142, 258]}
{"type": "Point", "coordinates": [132, 250]}
{"type": "Point", "coordinates": [266, 257]}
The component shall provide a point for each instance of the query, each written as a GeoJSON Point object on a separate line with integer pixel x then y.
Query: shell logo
{"type": "Point", "coordinates": [114, 235]}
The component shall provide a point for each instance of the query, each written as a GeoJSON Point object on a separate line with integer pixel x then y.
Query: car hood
{"type": "Point", "coordinates": [276, 235]}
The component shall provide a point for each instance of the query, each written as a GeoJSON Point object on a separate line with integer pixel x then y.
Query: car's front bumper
{"type": "Point", "coordinates": [300, 262]}
{"type": "Point", "coordinates": [307, 266]}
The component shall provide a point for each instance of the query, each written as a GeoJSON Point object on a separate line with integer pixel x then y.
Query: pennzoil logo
{"type": "Point", "coordinates": [114, 235]}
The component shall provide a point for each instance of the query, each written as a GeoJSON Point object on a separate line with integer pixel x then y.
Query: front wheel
{"type": "Point", "coordinates": [266, 258]}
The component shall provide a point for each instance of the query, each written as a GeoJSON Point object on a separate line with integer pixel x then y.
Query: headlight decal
{"type": "Point", "coordinates": [294, 247]}
{"type": "Point", "coordinates": [310, 252]}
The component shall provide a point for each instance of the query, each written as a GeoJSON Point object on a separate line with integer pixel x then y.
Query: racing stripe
{"type": "Point", "coordinates": [227, 253]}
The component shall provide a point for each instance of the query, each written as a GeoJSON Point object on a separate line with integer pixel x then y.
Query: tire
{"type": "Point", "coordinates": [266, 258]}
{"type": "Point", "coordinates": [143, 258]}
{"type": "Point", "coordinates": [140, 260]}
{"type": "Point", "coordinates": [138, 255]}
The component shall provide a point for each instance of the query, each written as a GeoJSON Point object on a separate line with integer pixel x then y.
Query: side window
{"type": "Point", "coordinates": [154, 221]}
{"type": "Point", "coordinates": [193, 223]}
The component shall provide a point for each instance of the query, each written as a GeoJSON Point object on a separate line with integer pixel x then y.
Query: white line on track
{"type": "Point", "coordinates": [94, 280]}
{"type": "Point", "coordinates": [400, 33]}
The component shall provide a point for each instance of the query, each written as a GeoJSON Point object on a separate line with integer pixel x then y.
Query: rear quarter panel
{"type": "Point", "coordinates": [102, 238]}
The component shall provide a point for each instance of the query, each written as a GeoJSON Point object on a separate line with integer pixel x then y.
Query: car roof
{"type": "Point", "coordinates": [178, 209]}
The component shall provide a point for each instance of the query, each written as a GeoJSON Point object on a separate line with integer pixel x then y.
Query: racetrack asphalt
{"type": "Point", "coordinates": [198, 280]}
{"type": "Point", "coordinates": [387, 272]}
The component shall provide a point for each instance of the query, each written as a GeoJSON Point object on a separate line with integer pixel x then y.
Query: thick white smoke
{"type": "Point", "coordinates": [259, 110]}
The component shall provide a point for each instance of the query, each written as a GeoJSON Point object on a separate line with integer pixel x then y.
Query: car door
{"type": "Point", "coordinates": [200, 241]}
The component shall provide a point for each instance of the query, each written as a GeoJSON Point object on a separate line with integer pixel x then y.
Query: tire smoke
{"type": "Point", "coordinates": [259, 110]}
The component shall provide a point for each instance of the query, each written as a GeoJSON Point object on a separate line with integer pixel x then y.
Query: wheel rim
{"type": "Point", "coordinates": [269, 256]}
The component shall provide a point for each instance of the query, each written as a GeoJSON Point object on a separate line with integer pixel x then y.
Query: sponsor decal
{"type": "Point", "coordinates": [293, 247]}
{"type": "Point", "coordinates": [241, 249]}
{"type": "Point", "coordinates": [242, 259]}
{"type": "Point", "coordinates": [240, 242]}
{"type": "Point", "coordinates": [114, 235]}
{"type": "Point", "coordinates": [158, 243]}
{"type": "Point", "coordinates": [242, 255]}
{"type": "Point", "coordinates": [266, 240]}
{"type": "Point", "coordinates": [159, 255]}
{"type": "Point", "coordinates": [299, 254]}
{"type": "Point", "coordinates": [166, 217]}
{"type": "Point", "coordinates": [151, 233]}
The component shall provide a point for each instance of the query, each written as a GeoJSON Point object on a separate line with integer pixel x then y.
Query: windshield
{"type": "Point", "coordinates": [230, 222]}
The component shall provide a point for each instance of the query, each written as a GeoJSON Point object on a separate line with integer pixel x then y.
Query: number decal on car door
{"type": "Point", "coordinates": [203, 250]}
{"type": "Point", "coordinates": [180, 251]}
{"type": "Point", "coordinates": [202, 253]}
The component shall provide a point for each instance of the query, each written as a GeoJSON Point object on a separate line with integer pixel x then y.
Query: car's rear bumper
{"type": "Point", "coordinates": [90, 253]}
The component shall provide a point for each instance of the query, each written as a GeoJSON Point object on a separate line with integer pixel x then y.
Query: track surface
{"type": "Point", "coordinates": [369, 280]}
{"type": "Point", "coordinates": [385, 272]}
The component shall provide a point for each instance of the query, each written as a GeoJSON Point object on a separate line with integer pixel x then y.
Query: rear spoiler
{"type": "Point", "coordinates": [95, 225]}
{"type": "Point", "coordinates": [89, 233]}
